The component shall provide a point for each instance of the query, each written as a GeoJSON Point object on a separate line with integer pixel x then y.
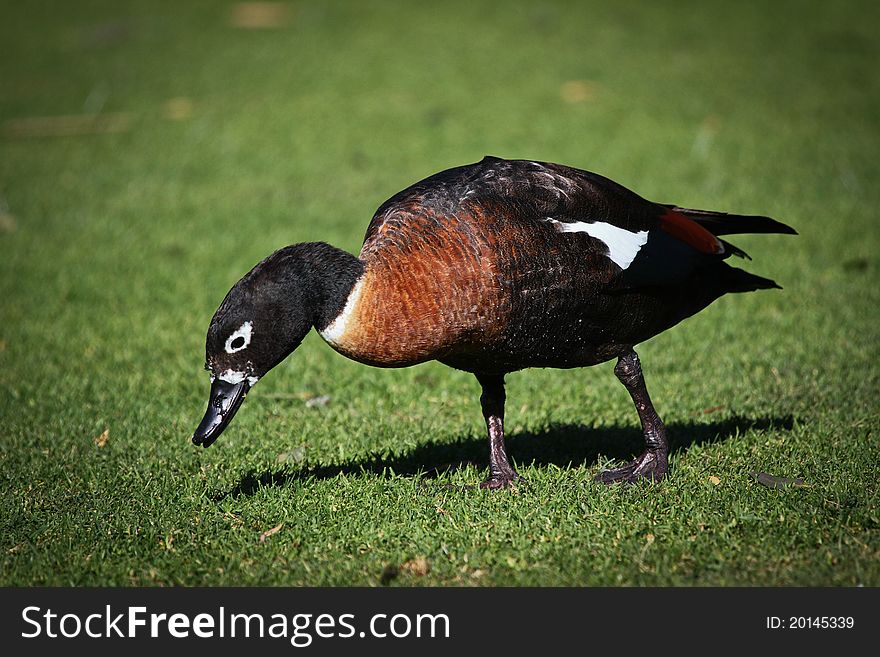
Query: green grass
{"type": "Point", "coordinates": [115, 249]}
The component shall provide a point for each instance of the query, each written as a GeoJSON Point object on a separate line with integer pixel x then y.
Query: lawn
{"type": "Point", "coordinates": [196, 143]}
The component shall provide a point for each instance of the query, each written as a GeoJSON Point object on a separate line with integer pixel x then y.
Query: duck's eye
{"type": "Point", "coordinates": [240, 338]}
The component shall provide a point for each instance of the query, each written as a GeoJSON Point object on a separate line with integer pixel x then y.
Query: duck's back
{"type": "Point", "coordinates": [503, 265]}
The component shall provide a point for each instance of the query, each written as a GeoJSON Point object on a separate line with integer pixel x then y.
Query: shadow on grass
{"type": "Point", "coordinates": [563, 445]}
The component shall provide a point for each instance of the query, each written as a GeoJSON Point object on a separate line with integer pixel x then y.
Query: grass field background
{"type": "Point", "coordinates": [199, 145]}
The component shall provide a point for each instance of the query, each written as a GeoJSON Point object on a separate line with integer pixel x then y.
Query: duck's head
{"type": "Point", "coordinates": [264, 317]}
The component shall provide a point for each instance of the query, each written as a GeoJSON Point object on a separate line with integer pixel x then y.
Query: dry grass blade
{"type": "Point", "coordinates": [269, 532]}
{"type": "Point", "coordinates": [417, 566]}
{"type": "Point", "coordinates": [178, 109]}
{"type": "Point", "coordinates": [259, 15]}
{"type": "Point", "coordinates": [578, 91]}
{"type": "Point", "coordinates": [101, 440]}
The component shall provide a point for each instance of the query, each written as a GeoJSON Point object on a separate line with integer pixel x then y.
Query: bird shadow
{"type": "Point", "coordinates": [562, 445]}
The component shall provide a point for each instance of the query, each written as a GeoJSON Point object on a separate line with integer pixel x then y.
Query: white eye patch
{"type": "Point", "coordinates": [240, 339]}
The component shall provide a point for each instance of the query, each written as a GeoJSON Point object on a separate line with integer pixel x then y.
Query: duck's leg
{"type": "Point", "coordinates": [501, 473]}
{"type": "Point", "coordinates": [653, 463]}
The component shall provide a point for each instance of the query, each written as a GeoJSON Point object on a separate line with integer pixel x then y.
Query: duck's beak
{"type": "Point", "coordinates": [225, 400]}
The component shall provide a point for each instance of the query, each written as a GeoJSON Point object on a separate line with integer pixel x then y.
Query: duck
{"type": "Point", "coordinates": [489, 268]}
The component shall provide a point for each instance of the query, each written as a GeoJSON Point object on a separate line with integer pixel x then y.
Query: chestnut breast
{"type": "Point", "coordinates": [430, 284]}
{"type": "Point", "coordinates": [481, 290]}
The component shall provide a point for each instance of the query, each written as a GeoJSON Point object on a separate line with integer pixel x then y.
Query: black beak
{"type": "Point", "coordinates": [225, 400]}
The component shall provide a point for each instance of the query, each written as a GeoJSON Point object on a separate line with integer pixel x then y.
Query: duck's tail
{"type": "Point", "coordinates": [738, 280]}
{"type": "Point", "coordinates": [721, 223]}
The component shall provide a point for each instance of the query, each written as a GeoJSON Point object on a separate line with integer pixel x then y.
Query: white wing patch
{"type": "Point", "coordinates": [244, 331]}
{"type": "Point", "coordinates": [623, 245]}
{"type": "Point", "coordinates": [334, 331]}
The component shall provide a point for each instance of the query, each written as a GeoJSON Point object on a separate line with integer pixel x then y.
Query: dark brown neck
{"type": "Point", "coordinates": [332, 274]}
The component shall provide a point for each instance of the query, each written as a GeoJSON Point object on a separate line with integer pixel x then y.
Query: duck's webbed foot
{"type": "Point", "coordinates": [653, 463]}
{"type": "Point", "coordinates": [501, 479]}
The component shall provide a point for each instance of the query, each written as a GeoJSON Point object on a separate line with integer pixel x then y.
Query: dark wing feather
{"type": "Point", "coordinates": [722, 223]}
{"type": "Point", "coordinates": [534, 190]}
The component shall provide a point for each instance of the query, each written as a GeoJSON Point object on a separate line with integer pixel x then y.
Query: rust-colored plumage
{"type": "Point", "coordinates": [690, 232]}
{"type": "Point", "coordinates": [429, 285]}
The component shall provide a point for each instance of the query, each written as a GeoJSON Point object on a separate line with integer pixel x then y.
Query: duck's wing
{"type": "Point", "coordinates": [534, 191]}
{"type": "Point", "coordinates": [438, 197]}
{"type": "Point", "coordinates": [651, 244]}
